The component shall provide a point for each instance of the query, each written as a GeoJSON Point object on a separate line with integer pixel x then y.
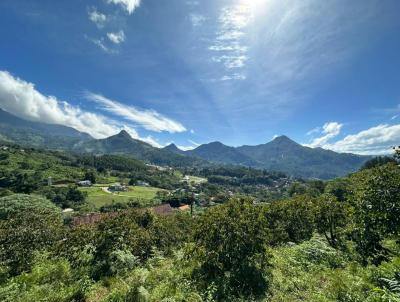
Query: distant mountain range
{"type": "Point", "coordinates": [282, 154]}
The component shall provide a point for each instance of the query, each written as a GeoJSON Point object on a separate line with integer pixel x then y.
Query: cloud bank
{"type": "Point", "coordinates": [376, 140]}
{"type": "Point", "coordinates": [22, 99]}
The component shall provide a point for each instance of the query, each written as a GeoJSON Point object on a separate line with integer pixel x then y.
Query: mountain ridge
{"type": "Point", "coordinates": [285, 155]}
{"type": "Point", "coordinates": [281, 154]}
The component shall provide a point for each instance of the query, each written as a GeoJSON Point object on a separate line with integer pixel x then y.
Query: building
{"type": "Point", "coordinates": [141, 183]}
{"type": "Point", "coordinates": [118, 188]}
{"type": "Point", "coordinates": [84, 183]}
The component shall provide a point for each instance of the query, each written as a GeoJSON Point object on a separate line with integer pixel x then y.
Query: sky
{"type": "Point", "coordinates": [325, 73]}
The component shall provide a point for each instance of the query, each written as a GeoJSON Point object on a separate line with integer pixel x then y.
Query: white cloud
{"type": "Point", "coordinates": [228, 45]}
{"type": "Point", "coordinates": [314, 131]}
{"type": "Point", "coordinates": [235, 76]}
{"type": "Point", "coordinates": [148, 119]}
{"type": "Point", "coordinates": [97, 18]}
{"type": "Point", "coordinates": [329, 131]}
{"type": "Point", "coordinates": [376, 140]}
{"type": "Point", "coordinates": [197, 20]}
{"type": "Point", "coordinates": [129, 5]}
{"type": "Point", "coordinates": [394, 117]}
{"type": "Point", "coordinates": [22, 99]}
{"type": "Point", "coordinates": [373, 141]}
{"type": "Point", "coordinates": [194, 143]}
{"type": "Point", "coordinates": [101, 44]}
{"type": "Point", "coordinates": [117, 37]}
{"type": "Point", "coordinates": [185, 148]}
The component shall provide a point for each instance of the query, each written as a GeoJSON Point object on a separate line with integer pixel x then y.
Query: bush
{"type": "Point", "coordinates": [231, 250]}
{"type": "Point", "coordinates": [27, 223]}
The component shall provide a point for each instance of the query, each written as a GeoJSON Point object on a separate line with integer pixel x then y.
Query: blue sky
{"type": "Point", "coordinates": [325, 73]}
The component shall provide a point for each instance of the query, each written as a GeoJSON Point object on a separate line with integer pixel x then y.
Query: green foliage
{"type": "Point", "coordinates": [122, 261]}
{"type": "Point", "coordinates": [378, 161]}
{"type": "Point", "coordinates": [65, 197]}
{"type": "Point", "coordinates": [291, 219]}
{"type": "Point", "coordinates": [338, 187]}
{"type": "Point", "coordinates": [49, 280]}
{"type": "Point", "coordinates": [27, 224]}
{"type": "Point", "coordinates": [332, 217]}
{"type": "Point", "coordinates": [231, 250]}
{"type": "Point", "coordinates": [14, 205]}
{"type": "Point", "coordinates": [91, 176]}
{"type": "Point", "coordinates": [376, 199]}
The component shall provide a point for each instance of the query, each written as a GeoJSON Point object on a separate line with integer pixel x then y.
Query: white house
{"type": "Point", "coordinates": [84, 183]}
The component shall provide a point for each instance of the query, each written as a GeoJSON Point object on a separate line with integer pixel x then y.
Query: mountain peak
{"type": "Point", "coordinates": [283, 139]}
{"type": "Point", "coordinates": [124, 134]}
{"type": "Point", "coordinates": [172, 146]}
{"type": "Point", "coordinates": [216, 143]}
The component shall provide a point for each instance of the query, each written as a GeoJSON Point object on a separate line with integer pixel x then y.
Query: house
{"type": "Point", "coordinates": [141, 183]}
{"type": "Point", "coordinates": [118, 188]}
{"type": "Point", "coordinates": [186, 178]}
{"type": "Point", "coordinates": [84, 183]}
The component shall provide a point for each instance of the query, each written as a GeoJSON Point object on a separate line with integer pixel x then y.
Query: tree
{"type": "Point", "coordinates": [25, 183]}
{"type": "Point", "coordinates": [75, 196]}
{"type": "Point", "coordinates": [231, 249]}
{"type": "Point", "coordinates": [377, 161]}
{"type": "Point", "coordinates": [376, 199]}
{"type": "Point", "coordinates": [331, 218]}
{"type": "Point", "coordinates": [90, 175]}
{"type": "Point", "coordinates": [297, 188]}
{"type": "Point", "coordinates": [291, 219]}
{"type": "Point", "coordinates": [338, 187]}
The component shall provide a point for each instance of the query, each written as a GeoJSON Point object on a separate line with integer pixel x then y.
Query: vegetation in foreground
{"type": "Point", "coordinates": [332, 241]}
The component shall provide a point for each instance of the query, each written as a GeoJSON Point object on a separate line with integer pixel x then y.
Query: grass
{"type": "Point", "coordinates": [98, 198]}
{"type": "Point", "coordinates": [196, 179]}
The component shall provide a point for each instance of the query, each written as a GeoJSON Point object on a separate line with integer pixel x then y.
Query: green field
{"type": "Point", "coordinates": [196, 179]}
{"type": "Point", "coordinates": [97, 197]}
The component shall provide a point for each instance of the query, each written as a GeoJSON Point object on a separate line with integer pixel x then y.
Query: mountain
{"type": "Point", "coordinates": [174, 149]}
{"type": "Point", "coordinates": [17, 130]}
{"type": "Point", "coordinates": [218, 152]}
{"type": "Point", "coordinates": [124, 144]}
{"type": "Point", "coordinates": [284, 155]}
